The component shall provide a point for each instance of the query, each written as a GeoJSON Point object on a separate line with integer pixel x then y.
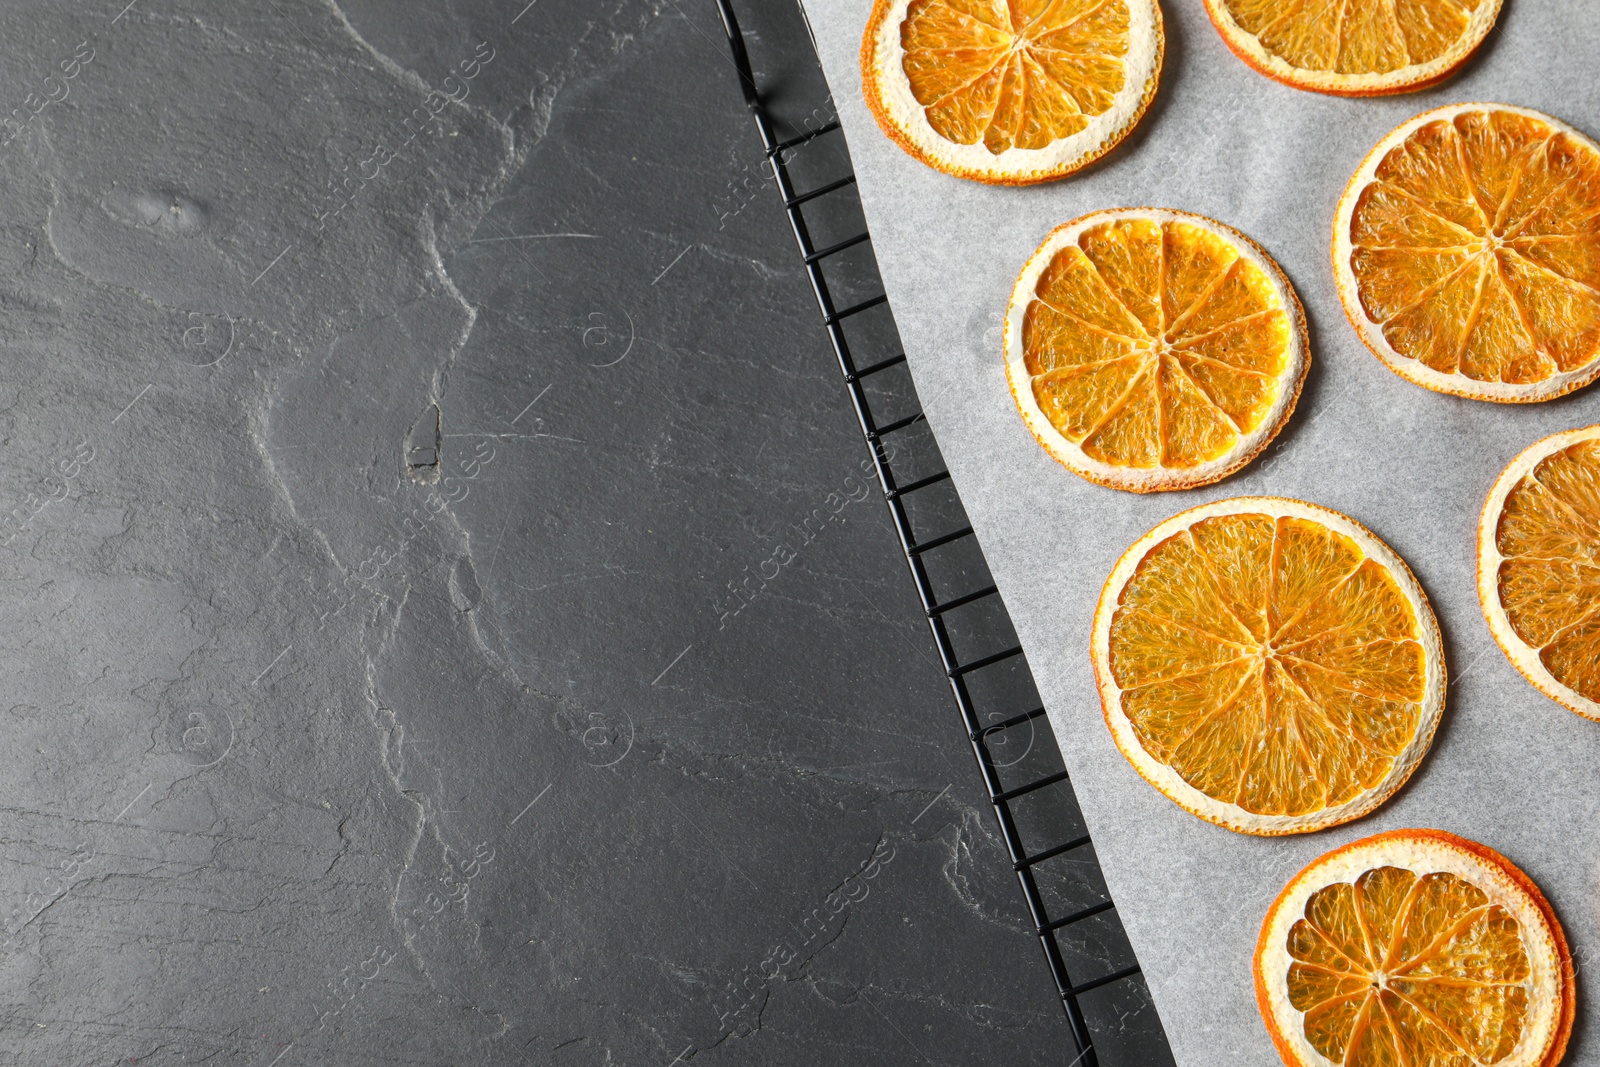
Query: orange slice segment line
{"type": "Point", "coordinates": [1065, 25]}
{"type": "Point", "coordinates": [1189, 342]}
{"type": "Point", "coordinates": [1402, 916]}
{"type": "Point", "coordinates": [1559, 191]}
{"type": "Point", "coordinates": [1431, 291]}
{"type": "Point", "coordinates": [1112, 294]}
{"type": "Point", "coordinates": [1091, 327]}
{"type": "Point", "coordinates": [1343, 998]}
{"type": "Point", "coordinates": [1205, 295]}
{"type": "Point", "coordinates": [1318, 599]}
{"type": "Point", "coordinates": [1323, 937]}
{"type": "Point", "coordinates": [1524, 316]}
{"type": "Point", "coordinates": [1161, 278]}
{"type": "Point", "coordinates": [1439, 1024]}
{"type": "Point", "coordinates": [1222, 707]}
{"type": "Point", "coordinates": [1468, 176]}
{"type": "Point", "coordinates": [1292, 9]}
{"type": "Point", "coordinates": [1475, 315]}
{"type": "Point", "coordinates": [1573, 515]}
{"type": "Point", "coordinates": [1216, 639]}
{"type": "Point", "coordinates": [1163, 442]}
{"type": "Point", "coordinates": [1080, 368]}
{"type": "Point", "coordinates": [1359, 1030]}
{"type": "Point", "coordinates": [1398, 34]}
{"type": "Point", "coordinates": [1358, 739]}
{"type": "Point", "coordinates": [1368, 690]}
{"type": "Point", "coordinates": [1394, 1036]}
{"type": "Point", "coordinates": [1119, 403]}
{"type": "Point", "coordinates": [1197, 672]}
{"type": "Point", "coordinates": [1003, 54]}
{"type": "Point", "coordinates": [1320, 969]}
{"type": "Point", "coordinates": [1068, 53]}
{"type": "Point", "coordinates": [1020, 110]}
{"type": "Point", "coordinates": [1530, 557]}
{"type": "Point", "coordinates": [1551, 238]}
{"type": "Point", "coordinates": [1427, 209]}
{"type": "Point", "coordinates": [1005, 105]}
{"type": "Point", "coordinates": [1514, 186]}
{"type": "Point", "coordinates": [1206, 394]}
{"type": "Point", "coordinates": [1339, 33]}
{"type": "Point", "coordinates": [1553, 273]}
{"type": "Point", "coordinates": [1359, 899]}
{"type": "Point", "coordinates": [1272, 575]}
{"type": "Point", "coordinates": [1457, 983]}
{"type": "Point", "coordinates": [1226, 706]}
{"type": "Point", "coordinates": [1437, 945]}
{"type": "Point", "coordinates": [1421, 250]}
{"type": "Point", "coordinates": [1583, 521]}
{"type": "Point", "coordinates": [1287, 651]}
{"type": "Point", "coordinates": [1313, 602]}
{"type": "Point", "coordinates": [1211, 570]}
{"type": "Point", "coordinates": [973, 16]}
{"type": "Point", "coordinates": [1106, 294]}
{"type": "Point", "coordinates": [1292, 723]}
{"type": "Point", "coordinates": [1208, 361]}
{"type": "Point", "coordinates": [1066, 90]}
{"type": "Point", "coordinates": [1274, 559]}
{"type": "Point", "coordinates": [1588, 615]}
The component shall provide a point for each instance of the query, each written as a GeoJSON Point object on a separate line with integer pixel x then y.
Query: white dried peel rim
{"type": "Point", "coordinates": [1523, 656]}
{"type": "Point", "coordinates": [1167, 780]}
{"type": "Point", "coordinates": [1413, 76]}
{"type": "Point", "coordinates": [1421, 852]}
{"type": "Point", "coordinates": [1297, 359]}
{"type": "Point", "coordinates": [1371, 333]}
{"type": "Point", "coordinates": [889, 94]}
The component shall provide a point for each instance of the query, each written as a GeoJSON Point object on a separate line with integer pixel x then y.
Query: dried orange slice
{"type": "Point", "coordinates": [1539, 567]}
{"type": "Point", "coordinates": [1268, 664]}
{"type": "Point", "coordinates": [1414, 948]}
{"type": "Point", "coordinates": [1150, 349]}
{"type": "Point", "coordinates": [1466, 249]}
{"type": "Point", "coordinates": [1354, 47]}
{"type": "Point", "coordinates": [1010, 92]}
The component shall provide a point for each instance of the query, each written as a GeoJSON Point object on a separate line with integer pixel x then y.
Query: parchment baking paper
{"type": "Point", "coordinates": [1508, 768]}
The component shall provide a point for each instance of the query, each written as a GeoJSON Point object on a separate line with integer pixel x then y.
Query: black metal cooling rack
{"type": "Point", "coordinates": [991, 715]}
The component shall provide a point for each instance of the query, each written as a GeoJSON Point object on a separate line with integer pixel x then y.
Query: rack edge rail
{"type": "Point", "coordinates": [895, 494]}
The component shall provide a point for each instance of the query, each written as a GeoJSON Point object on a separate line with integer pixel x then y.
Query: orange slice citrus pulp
{"type": "Point", "coordinates": [1010, 92]}
{"type": "Point", "coordinates": [1150, 349]}
{"type": "Point", "coordinates": [1354, 47]}
{"type": "Point", "coordinates": [1539, 567]}
{"type": "Point", "coordinates": [1466, 250]}
{"type": "Point", "coordinates": [1414, 948]}
{"type": "Point", "coordinates": [1268, 664]}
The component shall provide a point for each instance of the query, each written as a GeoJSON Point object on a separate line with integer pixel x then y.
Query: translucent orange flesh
{"type": "Point", "coordinates": [1549, 534]}
{"type": "Point", "coordinates": [1014, 73]}
{"type": "Point", "coordinates": [1477, 248]}
{"type": "Point", "coordinates": [1398, 970]}
{"type": "Point", "coordinates": [1268, 662]}
{"type": "Point", "coordinates": [1354, 36]}
{"type": "Point", "coordinates": [1154, 344]}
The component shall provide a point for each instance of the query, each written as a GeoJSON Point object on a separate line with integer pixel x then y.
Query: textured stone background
{"type": "Point", "coordinates": [378, 465]}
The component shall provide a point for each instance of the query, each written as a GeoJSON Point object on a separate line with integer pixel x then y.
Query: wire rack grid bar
{"type": "Point", "coordinates": [895, 496]}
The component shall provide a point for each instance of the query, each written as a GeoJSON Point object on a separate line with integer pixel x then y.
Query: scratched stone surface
{"type": "Point", "coordinates": [398, 399]}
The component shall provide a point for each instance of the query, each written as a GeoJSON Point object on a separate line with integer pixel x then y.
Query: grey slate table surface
{"type": "Point", "coordinates": [377, 467]}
